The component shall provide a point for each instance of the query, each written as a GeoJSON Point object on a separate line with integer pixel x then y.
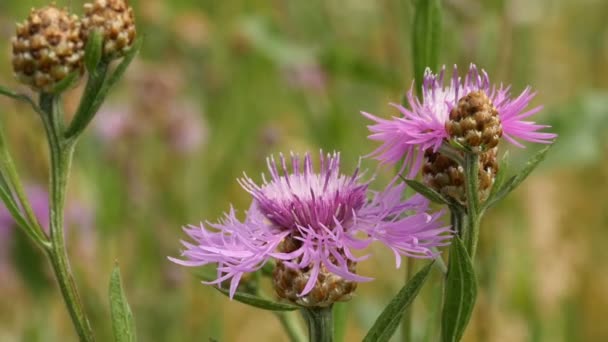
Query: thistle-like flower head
{"type": "Point", "coordinates": [312, 222]}
{"type": "Point", "coordinates": [470, 111]}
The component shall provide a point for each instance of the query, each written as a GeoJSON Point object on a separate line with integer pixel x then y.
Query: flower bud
{"type": "Point", "coordinates": [445, 176]}
{"type": "Point", "coordinates": [47, 48]}
{"type": "Point", "coordinates": [116, 22]}
{"type": "Point", "coordinates": [289, 282]}
{"type": "Point", "coordinates": [475, 122]}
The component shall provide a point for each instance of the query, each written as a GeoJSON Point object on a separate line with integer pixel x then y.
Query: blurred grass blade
{"type": "Point", "coordinates": [427, 192]}
{"type": "Point", "coordinates": [516, 180]}
{"type": "Point", "coordinates": [460, 293]}
{"type": "Point", "coordinates": [388, 321]}
{"type": "Point", "coordinates": [123, 324]}
{"type": "Point", "coordinates": [340, 319]}
{"type": "Point", "coordinates": [258, 302]}
{"type": "Point", "coordinates": [426, 38]}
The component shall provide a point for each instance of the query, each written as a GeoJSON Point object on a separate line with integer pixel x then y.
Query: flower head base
{"type": "Point", "coordinates": [289, 283]}
{"type": "Point", "coordinates": [446, 176]}
{"type": "Point", "coordinates": [311, 223]}
{"type": "Point", "coordinates": [47, 48]}
{"type": "Point", "coordinates": [469, 110]}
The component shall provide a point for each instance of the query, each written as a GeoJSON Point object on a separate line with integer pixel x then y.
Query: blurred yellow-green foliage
{"type": "Point", "coordinates": [221, 84]}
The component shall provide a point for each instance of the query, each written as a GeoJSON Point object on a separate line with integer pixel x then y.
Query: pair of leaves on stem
{"type": "Point", "coordinates": [459, 299]}
{"type": "Point", "coordinates": [386, 323]}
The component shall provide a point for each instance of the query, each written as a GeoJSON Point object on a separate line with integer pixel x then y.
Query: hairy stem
{"type": "Point", "coordinates": [471, 234]}
{"type": "Point", "coordinates": [61, 159]}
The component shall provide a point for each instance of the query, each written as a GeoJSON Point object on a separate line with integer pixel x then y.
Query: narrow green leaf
{"type": "Point", "coordinates": [6, 193]}
{"type": "Point", "coordinates": [124, 64]}
{"type": "Point", "coordinates": [16, 96]}
{"type": "Point", "coordinates": [501, 175]}
{"type": "Point", "coordinates": [92, 92]}
{"type": "Point", "coordinates": [427, 192]}
{"type": "Point", "coordinates": [123, 324]}
{"type": "Point", "coordinates": [460, 293]}
{"type": "Point", "coordinates": [516, 180]}
{"type": "Point", "coordinates": [97, 89]}
{"type": "Point", "coordinates": [66, 83]}
{"type": "Point", "coordinates": [93, 51]}
{"type": "Point", "coordinates": [388, 321]}
{"type": "Point", "coordinates": [258, 302]}
{"type": "Point", "coordinates": [426, 38]}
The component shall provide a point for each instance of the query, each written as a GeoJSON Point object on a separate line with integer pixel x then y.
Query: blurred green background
{"type": "Point", "coordinates": [221, 84]}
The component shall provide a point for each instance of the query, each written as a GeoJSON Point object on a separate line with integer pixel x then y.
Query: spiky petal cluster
{"type": "Point", "coordinates": [326, 216]}
{"type": "Point", "coordinates": [423, 124]}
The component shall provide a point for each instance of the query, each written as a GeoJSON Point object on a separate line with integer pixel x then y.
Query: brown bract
{"type": "Point", "coordinates": [47, 48]}
{"type": "Point", "coordinates": [475, 122]}
{"type": "Point", "coordinates": [116, 22]}
{"type": "Point", "coordinates": [447, 177]}
{"type": "Point", "coordinates": [329, 288]}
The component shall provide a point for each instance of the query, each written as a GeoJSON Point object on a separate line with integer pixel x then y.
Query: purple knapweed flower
{"type": "Point", "coordinates": [313, 222]}
{"type": "Point", "coordinates": [423, 124]}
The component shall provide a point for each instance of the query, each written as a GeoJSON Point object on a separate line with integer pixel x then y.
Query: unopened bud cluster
{"type": "Point", "coordinates": [115, 21]}
{"type": "Point", "coordinates": [446, 176]}
{"type": "Point", "coordinates": [50, 44]}
{"type": "Point", "coordinates": [289, 283]}
{"type": "Point", "coordinates": [475, 122]}
{"type": "Point", "coordinates": [47, 48]}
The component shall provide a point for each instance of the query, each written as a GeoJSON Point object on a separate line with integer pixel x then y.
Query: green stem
{"type": "Point", "coordinates": [406, 324]}
{"type": "Point", "coordinates": [90, 102]}
{"type": "Point", "coordinates": [320, 324]}
{"type": "Point", "coordinates": [471, 234]}
{"type": "Point", "coordinates": [61, 159]}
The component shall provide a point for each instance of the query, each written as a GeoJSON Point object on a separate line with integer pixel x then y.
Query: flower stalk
{"type": "Point", "coordinates": [471, 234]}
{"type": "Point", "coordinates": [61, 153]}
{"type": "Point", "coordinates": [320, 323]}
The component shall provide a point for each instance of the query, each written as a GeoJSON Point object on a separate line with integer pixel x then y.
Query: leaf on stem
{"type": "Point", "coordinates": [388, 321]}
{"type": "Point", "coordinates": [460, 293]}
{"type": "Point", "coordinates": [123, 323]}
{"type": "Point", "coordinates": [516, 180]}
{"type": "Point", "coordinates": [124, 64]}
{"type": "Point", "coordinates": [66, 83]}
{"type": "Point", "coordinates": [17, 96]}
{"type": "Point", "coordinates": [427, 192]}
{"type": "Point", "coordinates": [93, 51]}
{"type": "Point", "coordinates": [500, 175]}
{"type": "Point", "coordinates": [258, 302]}
{"type": "Point", "coordinates": [97, 89]}
{"type": "Point", "coordinates": [426, 37]}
